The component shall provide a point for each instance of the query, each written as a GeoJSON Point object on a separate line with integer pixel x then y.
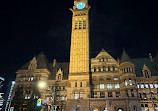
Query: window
{"type": "Point", "coordinates": [103, 59]}
{"type": "Point", "coordinates": [76, 24]}
{"type": "Point", "coordinates": [95, 109]}
{"type": "Point", "coordinates": [109, 94]}
{"type": "Point", "coordinates": [115, 78]}
{"type": "Point", "coordinates": [117, 86]}
{"type": "Point", "coordinates": [101, 86]}
{"type": "Point", "coordinates": [84, 24]}
{"type": "Point", "coordinates": [99, 69]}
{"type": "Point", "coordinates": [130, 81]}
{"type": "Point", "coordinates": [138, 86]}
{"type": "Point", "coordinates": [94, 69]}
{"type": "Point", "coordinates": [77, 109]}
{"type": "Point", "coordinates": [119, 109]}
{"type": "Point", "coordinates": [156, 85]}
{"type": "Point", "coordinates": [64, 88]}
{"type": "Point", "coordinates": [80, 84]}
{"type": "Point", "coordinates": [76, 95]}
{"type": "Point", "coordinates": [80, 24]}
{"type": "Point", "coordinates": [108, 78]}
{"type": "Point", "coordinates": [146, 86]}
{"type": "Point", "coordinates": [75, 84]}
{"type": "Point", "coordinates": [126, 82]}
{"type": "Point", "coordinates": [146, 74]}
{"type": "Point", "coordinates": [59, 77]}
{"type": "Point", "coordinates": [146, 105]}
{"type": "Point", "coordinates": [108, 68]}
{"type": "Point", "coordinates": [81, 95]}
{"type": "Point", "coordinates": [113, 68]}
{"type": "Point", "coordinates": [134, 108]}
{"type": "Point", "coordinates": [109, 86]}
{"type": "Point", "coordinates": [117, 94]}
{"type": "Point", "coordinates": [104, 68]}
{"type": "Point", "coordinates": [105, 109]}
{"type": "Point", "coordinates": [62, 98]}
{"type": "Point", "coordinates": [151, 86]}
{"type": "Point", "coordinates": [142, 85]}
{"type": "Point", "coordinates": [144, 96]}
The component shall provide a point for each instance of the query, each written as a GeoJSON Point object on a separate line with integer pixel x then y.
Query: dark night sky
{"type": "Point", "coordinates": [28, 27]}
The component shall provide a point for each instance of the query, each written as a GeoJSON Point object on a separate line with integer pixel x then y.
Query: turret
{"type": "Point", "coordinates": [128, 77]}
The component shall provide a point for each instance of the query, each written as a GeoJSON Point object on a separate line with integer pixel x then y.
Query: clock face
{"type": "Point", "coordinates": [80, 5]}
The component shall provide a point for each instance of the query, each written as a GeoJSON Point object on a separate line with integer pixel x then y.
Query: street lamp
{"type": "Point", "coordinates": [43, 85]}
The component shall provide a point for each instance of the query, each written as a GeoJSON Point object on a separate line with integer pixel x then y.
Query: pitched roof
{"type": "Point", "coordinates": [42, 63]}
{"type": "Point", "coordinates": [139, 63]}
{"type": "Point", "coordinates": [125, 57]}
{"type": "Point", "coordinates": [64, 67]}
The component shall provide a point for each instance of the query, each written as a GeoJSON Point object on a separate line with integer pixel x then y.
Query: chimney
{"type": "Point", "coordinates": [54, 63]}
{"type": "Point", "coordinates": [150, 57]}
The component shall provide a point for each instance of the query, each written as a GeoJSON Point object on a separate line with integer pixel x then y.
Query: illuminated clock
{"type": "Point", "coordinates": [80, 5]}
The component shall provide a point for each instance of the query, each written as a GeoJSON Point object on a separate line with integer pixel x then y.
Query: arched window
{"type": "Point", "coordinates": [95, 109]}
{"type": "Point", "coordinates": [105, 109]}
{"type": "Point", "coordinates": [81, 95]}
{"type": "Point", "coordinates": [126, 82]}
{"type": "Point", "coordinates": [119, 109]}
{"type": "Point", "coordinates": [76, 95]}
{"type": "Point", "coordinates": [130, 81]}
{"type": "Point", "coordinates": [134, 108]}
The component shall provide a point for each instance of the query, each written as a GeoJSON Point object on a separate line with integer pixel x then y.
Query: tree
{"type": "Point", "coordinates": [32, 103]}
{"type": "Point", "coordinates": [18, 99]}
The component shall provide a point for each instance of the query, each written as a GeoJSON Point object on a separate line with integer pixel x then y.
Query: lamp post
{"type": "Point", "coordinates": [43, 85]}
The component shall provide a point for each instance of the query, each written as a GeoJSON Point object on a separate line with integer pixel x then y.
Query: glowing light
{"type": "Point", "coordinates": [80, 6]}
{"type": "Point", "coordinates": [42, 84]}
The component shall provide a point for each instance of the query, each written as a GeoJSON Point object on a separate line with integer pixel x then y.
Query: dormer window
{"type": "Point", "coordinates": [59, 77]}
{"type": "Point", "coordinates": [146, 73]}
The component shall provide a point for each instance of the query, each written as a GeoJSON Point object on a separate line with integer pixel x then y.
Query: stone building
{"type": "Point", "coordinates": [93, 84]}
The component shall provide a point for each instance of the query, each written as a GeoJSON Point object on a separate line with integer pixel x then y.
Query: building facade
{"type": "Point", "coordinates": [93, 84]}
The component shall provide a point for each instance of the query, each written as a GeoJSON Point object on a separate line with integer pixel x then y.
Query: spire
{"type": "Point", "coordinates": [102, 50]}
{"type": "Point", "coordinates": [125, 57]}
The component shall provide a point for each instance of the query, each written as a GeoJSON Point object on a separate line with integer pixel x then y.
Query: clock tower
{"type": "Point", "coordinates": [79, 84]}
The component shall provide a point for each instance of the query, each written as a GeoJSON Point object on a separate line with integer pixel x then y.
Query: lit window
{"type": "Point", "coordinates": [156, 85]}
{"type": "Point", "coordinates": [101, 86]}
{"type": "Point", "coordinates": [126, 83]}
{"type": "Point", "coordinates": [117, 86]}
{"type": "Point", "coordinates": [151, 86]}
{"type": "Point", "coordinates": [115, 78]}
{"type": "Point", "coordinates": [81, 95]}
{"type": "Point", "coordinates": [76, 95]}
{"type": "Point", "coordinates": [142, 86]}
{"type": "Point", "coordinates": [105, 109]}
{"type": "Point", "coordinates": [119, 109]}
{"type": "Point", "coordinates": [146, 86]}
{"type": "Point", "coordinates": [109, 86]}
{"type": "Point", "coordinates": [138, 85]}
{"type": "Point", "coordinates": [130, 82]}
{"type": "Point", "coordinates": [62, 98]}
